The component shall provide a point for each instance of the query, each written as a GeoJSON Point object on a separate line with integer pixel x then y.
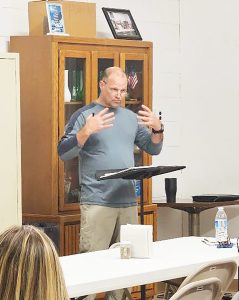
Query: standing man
{"type": "Point", "coordinates": [103, 134]}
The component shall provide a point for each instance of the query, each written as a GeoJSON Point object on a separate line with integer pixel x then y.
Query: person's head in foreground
{"type": "Point", "coordinates": [29, 266]}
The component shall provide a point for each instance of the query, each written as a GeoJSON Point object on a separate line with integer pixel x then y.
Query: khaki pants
{"type": "Point", "coordinates": [100, 228]}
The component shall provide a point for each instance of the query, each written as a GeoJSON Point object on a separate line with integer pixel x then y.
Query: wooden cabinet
{"type": "Point", "coordinates": [10, 150]}
{"type": "Point", "coordinates": [58, 76]}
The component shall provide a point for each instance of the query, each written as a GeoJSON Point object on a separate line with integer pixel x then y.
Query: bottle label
{"type": "Point", "coordinates": [221, 230]}
{"type": "Point", "coordinates": [220, 224]}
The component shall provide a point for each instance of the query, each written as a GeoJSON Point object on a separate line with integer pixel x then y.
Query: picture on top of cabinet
{"type": "Point", "coordinates": [121, 24]}
{"type": "Point", "coordinates": [55, 18]}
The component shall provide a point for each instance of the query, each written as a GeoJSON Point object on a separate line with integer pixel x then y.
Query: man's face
{"type": "Point", "coordinates": [113, 90]}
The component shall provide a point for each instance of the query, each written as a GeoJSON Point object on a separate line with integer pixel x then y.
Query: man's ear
{"type": "Point", "coordinates": [101, 84]}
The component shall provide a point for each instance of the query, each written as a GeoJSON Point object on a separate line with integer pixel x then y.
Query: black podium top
{"type": "Point", "coordinates": [136, 172]}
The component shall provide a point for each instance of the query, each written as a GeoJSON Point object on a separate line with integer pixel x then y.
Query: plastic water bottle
{"type": "Point", "coordinates": [221, 225]}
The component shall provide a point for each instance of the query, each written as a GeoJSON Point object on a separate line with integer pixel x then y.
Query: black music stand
{"type": "Point", "coordinates": [141, 173]}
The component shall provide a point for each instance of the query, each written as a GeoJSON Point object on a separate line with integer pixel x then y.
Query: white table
{"type": "Point", "coordinates": [102, 271]}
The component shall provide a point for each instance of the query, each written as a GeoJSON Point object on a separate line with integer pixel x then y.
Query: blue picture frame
{"type": "Point", "coordinates": [55, 18]}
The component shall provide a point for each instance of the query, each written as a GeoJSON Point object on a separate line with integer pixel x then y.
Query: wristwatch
{"type": "Point", "coordinates": [161, 130]}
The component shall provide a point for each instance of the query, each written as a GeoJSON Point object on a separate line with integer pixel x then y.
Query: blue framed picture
{"type": "Point", "coordinates": [55, 18]}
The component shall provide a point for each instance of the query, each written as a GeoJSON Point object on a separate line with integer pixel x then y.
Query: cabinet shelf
{"type": "Point", "coordinates": [133, 101]}
{"type": "Point", "coordinates": [74, 103]}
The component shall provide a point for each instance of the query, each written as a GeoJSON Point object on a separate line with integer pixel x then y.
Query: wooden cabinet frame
{"type": "Point", "coordinates": [42, 63]}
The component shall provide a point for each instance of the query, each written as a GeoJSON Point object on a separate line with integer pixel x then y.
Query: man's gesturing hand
{"type": "Point", "coordinates": [148, 118]}
{"type": "Point", "coordinates": [99, 121]}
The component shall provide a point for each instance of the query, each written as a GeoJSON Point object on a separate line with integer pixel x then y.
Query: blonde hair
{"type": "Point", "coordinates": [29, 266]}
{"type": "Point", "coordinates": [113, 70]}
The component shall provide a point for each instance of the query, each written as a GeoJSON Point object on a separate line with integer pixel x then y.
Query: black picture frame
{"type": "Point", "coordinates": [121, 23]}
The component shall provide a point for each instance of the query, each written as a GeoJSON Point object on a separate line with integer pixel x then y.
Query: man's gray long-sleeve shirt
{"type": "Point", "coordinates": [111, 148]}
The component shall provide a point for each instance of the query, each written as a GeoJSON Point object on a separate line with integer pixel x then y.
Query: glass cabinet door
{"type": "Point", "coordinates": [135, 96]}
{"type": "Point", "coordinates": [136, 69]}
{"type": "Point", "coordinates": [74, 90]}
{"type": "Point", "coordinates": [101, 61]}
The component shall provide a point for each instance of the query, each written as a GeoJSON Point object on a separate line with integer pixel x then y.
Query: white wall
{"type": "Point", "coordinates": [196, 65]}
{"type": "Point", "coordinates": [210, 91]}
{"type": "Point", "coordinates": [13, 20]}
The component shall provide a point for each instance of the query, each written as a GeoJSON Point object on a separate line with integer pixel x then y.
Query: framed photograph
{"type": "Point", "coordinates": [121, 24]}
{"type": "Point", "coordinates": [55, 18]}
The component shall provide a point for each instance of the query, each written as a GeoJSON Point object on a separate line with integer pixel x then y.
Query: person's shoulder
{"type": "Point", "coordinates": [85, 110]}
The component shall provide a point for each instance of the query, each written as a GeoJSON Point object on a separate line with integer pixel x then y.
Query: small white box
{"type": "Point", "coordinates": [141, 238]}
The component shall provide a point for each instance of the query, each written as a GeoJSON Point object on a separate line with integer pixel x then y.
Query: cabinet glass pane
{"type": "Point", "coordinates": [74, 98]}
{"type": "Point", "coordinates": [138, 161]}
{"type": "Point", "coordinates": [75, 80]}
{"type": "Point", "coordinates": [103, 63]}
{"type": "Point", "coordinates": [71, 181]}
{"type": "Point", "coordinates": [133, 101]}
{"type": "Point", "coordinates": [134, 71]}
{"type": "Point", "coordinates": [138, 156]}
